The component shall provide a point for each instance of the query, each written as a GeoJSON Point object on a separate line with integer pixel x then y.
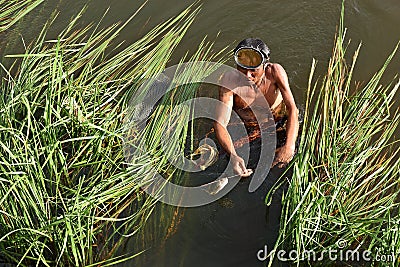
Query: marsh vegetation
{"type": "Point", "coordinates": [69, 198]}
{"type": "Point", "coordinates": [344, 191]}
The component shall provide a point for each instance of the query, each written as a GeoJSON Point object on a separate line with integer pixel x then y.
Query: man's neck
{"type": "Point", "coordinates": [261, 81]}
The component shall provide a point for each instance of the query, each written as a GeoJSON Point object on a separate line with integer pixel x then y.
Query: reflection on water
{"type": "Point", "coordinates": [228, 232]}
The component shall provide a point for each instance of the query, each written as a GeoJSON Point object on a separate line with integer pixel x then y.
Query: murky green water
{"type": "Point", "coordinates": [231, 231]}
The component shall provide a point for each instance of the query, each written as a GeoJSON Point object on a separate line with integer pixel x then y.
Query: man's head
{"type": "Point", "coordinates": [251, 55]}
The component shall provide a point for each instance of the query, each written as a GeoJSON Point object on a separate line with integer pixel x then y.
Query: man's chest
{"type": "Point", "coordinates": [246, 96]}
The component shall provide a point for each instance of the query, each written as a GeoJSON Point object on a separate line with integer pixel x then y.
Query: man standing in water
{"type": "Point", "coordinates": [268, 81]}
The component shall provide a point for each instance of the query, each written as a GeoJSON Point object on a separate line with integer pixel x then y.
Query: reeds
{"type": "Point", "coordinates": [67, 195]}
{"type": "Point", "coordinates": [13, 10]}
{"type": "Point", "coordinates": [344, 192]}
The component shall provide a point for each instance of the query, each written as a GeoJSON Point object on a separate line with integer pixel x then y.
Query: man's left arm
{"type": "Point", "coordinates": [285, 153]}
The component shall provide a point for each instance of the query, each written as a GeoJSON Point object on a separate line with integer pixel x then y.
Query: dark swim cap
{"type": "Point", "coordinates": [255, 44]}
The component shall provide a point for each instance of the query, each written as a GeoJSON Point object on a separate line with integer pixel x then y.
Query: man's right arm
{"type": "Point", "coordinates": [223, 115]}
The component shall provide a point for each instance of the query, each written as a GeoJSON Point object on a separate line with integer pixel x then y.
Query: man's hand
{"type": "Point", "coordinates": [283, 156]}
{"type": "Point", "coordinates": [239, 166]}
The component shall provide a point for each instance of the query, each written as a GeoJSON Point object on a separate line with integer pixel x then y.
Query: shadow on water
{"type": "Point", "coordinates": [227, 232]}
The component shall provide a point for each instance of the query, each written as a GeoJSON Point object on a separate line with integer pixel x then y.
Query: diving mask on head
{"type": "Point", "coordinates": [249, 58]}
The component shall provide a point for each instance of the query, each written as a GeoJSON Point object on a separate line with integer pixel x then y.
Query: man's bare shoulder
{"type": "Point", "coordinates": [276, 68]}
{"type": "Point", "coordinates": [230, 75]}
{"type": "Point", "coordinates": [234, 79]}
{"type": "Point", "coordinates": [229, 80]}
{"type": "Point", "coordinates": [274, 71]}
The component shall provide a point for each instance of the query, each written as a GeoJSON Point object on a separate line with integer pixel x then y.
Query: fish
{"type": "Point", "coordinates": [216, 186]}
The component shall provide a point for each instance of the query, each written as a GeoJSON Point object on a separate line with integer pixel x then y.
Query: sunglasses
{"type": "Point", "coordinates": [249, 58]}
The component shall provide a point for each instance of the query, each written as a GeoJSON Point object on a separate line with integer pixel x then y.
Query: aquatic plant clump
{"type": "Point", "coordinates": [67, 195]}
{"type": "Point", "coordinates": [344, 192]}
{"type": "Point", "coordinates": [11, 11]}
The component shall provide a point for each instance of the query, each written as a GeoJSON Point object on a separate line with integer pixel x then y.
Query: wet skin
{"type": "Point", "coordinates": [268, 82]}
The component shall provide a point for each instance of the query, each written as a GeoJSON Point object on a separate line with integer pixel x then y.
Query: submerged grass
{"type": "Point", "coordinates": [67, 195]}
{"type": "Point", "coordinates": [344, 192]}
